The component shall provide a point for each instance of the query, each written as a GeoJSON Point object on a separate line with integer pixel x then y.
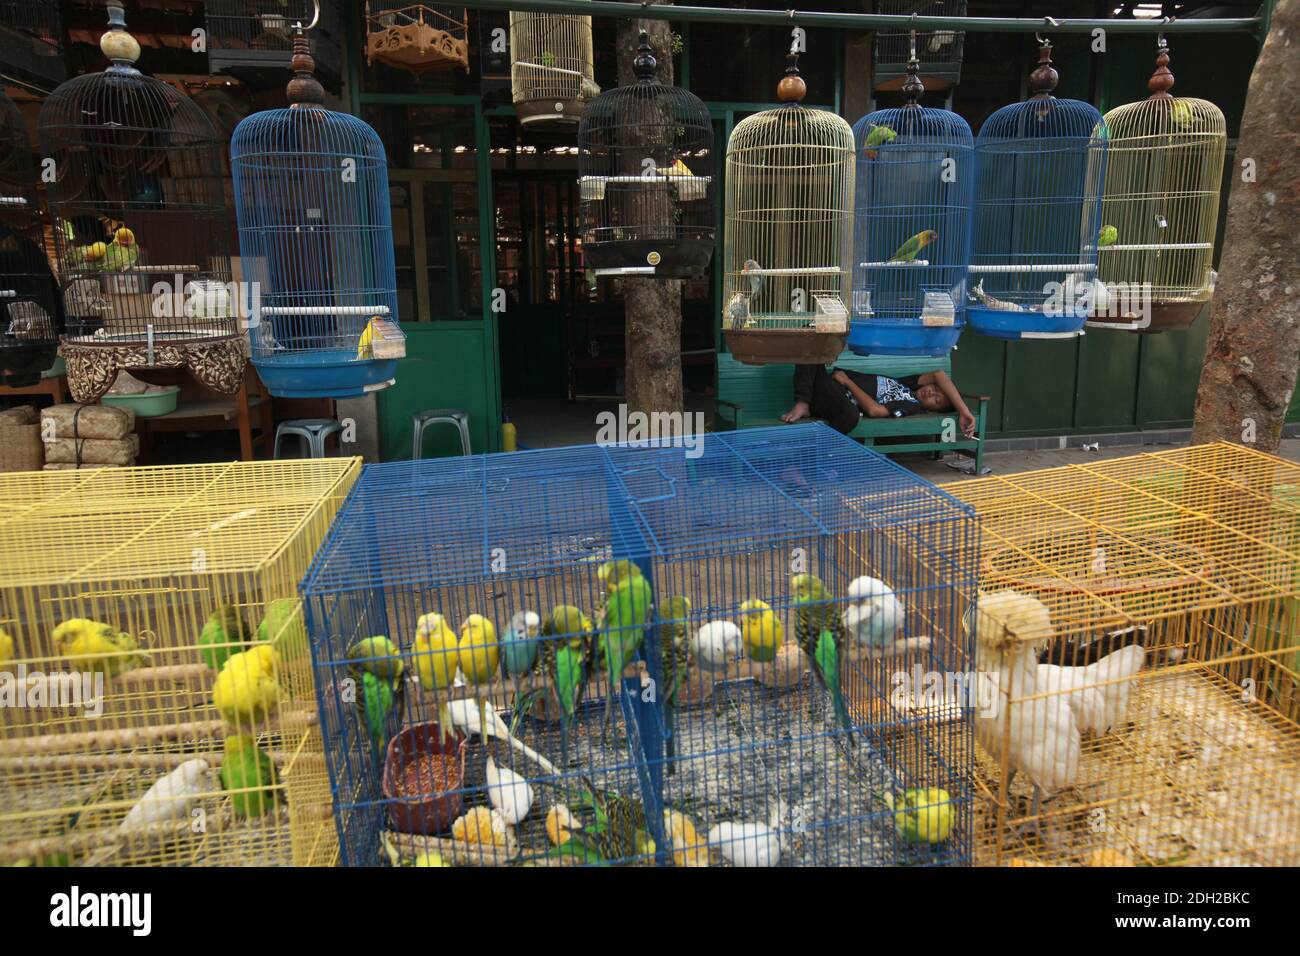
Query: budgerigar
{"type": "Point", "coordinates": [247, 691]}
{"type": "Point", "coordinates": [118, 257]}
{"type": "Point", "coordinates": [876, 137]}
{"type": "Point", "coordinates": [466, 716]}
{"type": "Point", "coordinates": [6, 646]}
{"type": "Point", "coordinates": [622, 632]}
{"type": "Point", "coordinates": [613, 573]}
{"type": "Point", "coordinates": [568, 650]}
{"type": "Point", "coordinates": [379, 701]}
{"type": "Point", "coordinates": [508, 792]}
{"type": "Point", "coordinates": [478, 653]}
{"type": "Point", "coordinates": [223, 634]}
{"type": "Point", "coordinates": [379, 656]}
{"type": "Point", "coordinates": [675, 654]}
{"type": "Point", "coordinates": [751, 844]}
{"type": "Point", "coordinates": [909, 250]}
{"type": "Point", "coordinates": [922, 815]}
{"type": "Point", "coordinates": [716, 645]}
{"type": "Point", "coordinates": [519, 644]}
{"type": "Point", "coordinates": [874, 618]}
{"type": "Point", "coordinates": [754, 272]}
{"type": "Point", "coordinates": [248, 776]}
{"type": "Point", "coordinates": [98, 647]}
{"type": "Point", "coordinates": [761, 630]}
{"type": "Point", "coordinates": [821, 637]}
{"type": "Point", "coordinates": [283, 627]}
{"type": "Point", "coordinates": [621, 832]}
{"type": "Point", "coordinates": [737, 312]}
{"type": "Point", "coordinates": [170, 798]}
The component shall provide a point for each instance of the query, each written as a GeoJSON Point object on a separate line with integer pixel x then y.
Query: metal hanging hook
{"type": "Point", "coordinates": [315, 19]}
{"type": "Point", "coordinates": [912, 52]}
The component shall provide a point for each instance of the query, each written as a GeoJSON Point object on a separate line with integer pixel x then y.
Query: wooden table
{"type": "Point", "coordinates": [56, 387]}
{"type": "Point", "coordinates": [202, 410]}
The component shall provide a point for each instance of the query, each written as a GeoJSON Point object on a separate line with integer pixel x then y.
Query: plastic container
{"type": "Point", "coordinates": [147, 405]}
{"type": "Point", "coordinates": [434, 813]}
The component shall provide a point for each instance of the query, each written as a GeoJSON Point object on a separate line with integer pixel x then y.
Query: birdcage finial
{"type": "Point", "coordinates": [913, 88]}
{"type": "Point", "coordinates": [304, 89]}
{"type": "Point", "coordinates": [1043, 80]}
{"type": "Point", "coordinates": [119, 46]}
{"type": "Point", "coordinates": [643, 66]}
{"type": "Point", "coordinates": [1162, 80]}
{"type": "Point", "coordinates": [792, 87]}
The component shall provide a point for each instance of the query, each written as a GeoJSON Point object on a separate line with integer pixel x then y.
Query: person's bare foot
{"type": "Point", "coordinates": [801, 410]}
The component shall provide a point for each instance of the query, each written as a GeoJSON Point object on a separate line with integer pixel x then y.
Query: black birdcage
{"type": "Point", "coordinates": [252, 39]}
{"type": "Point", "coordinates": [31, 316]}
{"type": "Point", "coordinates": [142, 234]}
{"type": "Point", "coordinates": [938, 52]}
{"type": "Point", "coordinates": [31, 36]}
{"type": "Point", "coordinates": [643, 209]}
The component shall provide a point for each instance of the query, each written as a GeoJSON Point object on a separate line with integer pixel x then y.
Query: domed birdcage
{"type": "Point", "coordinates": [1039, 170]}
{"type": "Point", "coordinates": [141, 231]}
{"type": "Point", "coordinates": [938, 52]}
{"type": "Point", "coordinates": [643, 208]}
{"type": "Point", "coordinates": [789, 224]}
{"type": "Point", "coordinates": [31, 314]}
{"type": "Point", "coordinates": [551, 63]}
{"type": "Point", "coordinates": [1160, 209]}
{"type": "Point", "coordinates": [417, 36]}
{"type": "Point", "coordinates": [316, 243]}
{"type": "Point", "coordinates": [915, 173]}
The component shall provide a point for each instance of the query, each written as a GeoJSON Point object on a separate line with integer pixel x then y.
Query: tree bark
{"type": "Point", "coordinates": [653, 307]}
{"type": "Point", "coordinates": [1253, 349]}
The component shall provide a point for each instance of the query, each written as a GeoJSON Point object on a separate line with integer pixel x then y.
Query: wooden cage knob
{"type": "Point", "coordinates": [792, 88]}
{"type": "Point", "coordinates": [303, 89]}
{"type": "Point", "coordinates": [1162, 80]}
{"type": "Point", "coordinates": [1044, 78]}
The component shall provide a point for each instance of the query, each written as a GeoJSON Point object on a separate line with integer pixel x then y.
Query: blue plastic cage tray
{"type": "Point", "coordinates": [874, 337]}
{"type": "Point", "coordinates": [1005, 324]}
{"type": "Point", "coordinates": [334, 373]}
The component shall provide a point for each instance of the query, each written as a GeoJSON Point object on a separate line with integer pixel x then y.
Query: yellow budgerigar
{"type": "Point", "coordinates": [6, 646]}
{"type": "Point", "coordinates": [435, 651]}
{"type": "Point", "coordinates": [477, 651]}
{"type": "Point", "coordinates": [98, 647]}
{"type": "Point", "coordinates": [761, 630]}
{"type": "Point", "coordinates": [923, 815]}
{"type": "Point", "coordinates": [246, 691]}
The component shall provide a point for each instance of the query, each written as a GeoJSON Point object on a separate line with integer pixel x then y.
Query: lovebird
{"type": "Point", "coordinates": [246, 691]}
{"type": "Point", "coordinates": [877, 136]}
{"type": "Point", "coordinates": [97, 647]}
{"type": "Point", "coordinates": [622, 631]}
{"type": "Point", "coordinates": [248, 776]}
{"type": "Point", "coordinates": [909, 250]}
{"type": "Point", "coordinates": [119, 256]}
{"type": "Point", "coordinates": [761, 630]}
{"type": "Point", "coordinates": [224, 633]}
{"type": "Point", "coordinates": [568, 650]}
{"type": "Point", "coordinates": [822, 639]}
{"type": "Point", "coordinates": [1107, 236]}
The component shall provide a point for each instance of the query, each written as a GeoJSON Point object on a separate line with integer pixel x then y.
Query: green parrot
{"type": "Point", "coordinates": [224, 633]}
{"type": "Point", "coordinates": [287, 634]}
{"type": "Point", "coordinates": [378, 656]}
{"type": "Point", "coordinates": [878, 136]}
{"type": "Point", "coordinates": [821, 636]}
{"type": "Point", "coordinates": [568, 652]}
{"type": "Point", "coordinates": [620, 834]}
{"type": "Point", "coordinates": [622, 632]}
{"type": "Point", "coordinates": [378, 699]}
{"type": "Point", "coordinates": [1107, 236]}
{"type": "Point", "coordinates": [908, 251]}
{"type": "Point", "coordinates": [613, 573]}
{"type": "Point", "coordinates": [675, 648]}
{"type": "Point", "coordinates": [245, 767]}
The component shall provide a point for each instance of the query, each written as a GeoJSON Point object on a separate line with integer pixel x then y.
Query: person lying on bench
{"type": "Point", "coordinates": [842, 397]}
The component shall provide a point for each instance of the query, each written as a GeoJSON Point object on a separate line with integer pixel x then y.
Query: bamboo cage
{"type": "Point", "coordinates": [789, 232]}
{"type": "Point", "coordinates": [416, 36]}
{"type": "Point", "coordinates": [111, 582]}
{"type": "Point", "coordinates": [1139, 653]}
{"type": "Point", "coordinates": [1163, 179]}
{"type": "Point", "coordinates": [551, 64]}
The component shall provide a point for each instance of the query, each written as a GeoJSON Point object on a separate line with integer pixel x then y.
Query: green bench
{"type": "Point", "coordinates": [754, 395]}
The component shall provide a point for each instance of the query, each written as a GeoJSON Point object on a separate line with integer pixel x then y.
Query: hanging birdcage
{"type": "Point", "coordinates": [141, 231]}
{"type": "Point", "coordinates": [644, 211]}
{"type": "Point", "coordinates": [1039, 168]}
{"type": "Point", "coordinates": [915, 170]}
{"type": "Point", "coordinates": [938, 51]}
{"type": "Point", "coordinates": [1160, 209]}
{"type": "Point", "coordinates": [31, 34]}
{"type": "Point", "coordinates": [551, 67]}
{"type": "Point", "coordinates": [252, 39]}
{"type": "Point", "coordinates": [789, 229]}
{"type": "Point", "coordinates": [31, 315]}
{"type": "Point", "coordinates": [417, 36]}
{"type": "Point", "coordinates": [316, 241]}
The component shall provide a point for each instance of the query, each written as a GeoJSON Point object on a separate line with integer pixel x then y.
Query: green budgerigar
{"type": "Point", "coordinates": [568, 651]}
{"type": "Point", "coordinates": [821, 636]}
{"type": "Point", "coordinates": [378, 700]}
{"type": "Point", "coordinates": [249, 776]}
{"type": "Point", "coordinates": [675, 652]}
{"type": "Point", "coordinates": [224, 633]}
{"type": "Point", "coordinates": [622, 631]}
{"type": "Point", "coordinates": [909, 250]}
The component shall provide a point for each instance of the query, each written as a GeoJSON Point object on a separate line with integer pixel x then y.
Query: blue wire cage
{"type": "Point", "coordinates": [316, 240]}
{"type": "Point", "coordinates": [915, 176]}
{"type": "Point", "coordinates": [1040, 167]}
{"type": "Point", "coordinates": [717, 744]}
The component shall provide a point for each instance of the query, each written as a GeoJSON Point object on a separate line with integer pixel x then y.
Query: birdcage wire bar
{"type": "Point", "coordinates": [1040, 167]}
{"type": "Point", "coordinates": [742, 740]}
{"type": "Point", "coordinates": [643, 207]}
{"type": "Point", "coordinates": [1163, 177]}
{"type": "Point", "coordinates": [551, 67]}
{"type": "Point", "coordinates": [417, 36]}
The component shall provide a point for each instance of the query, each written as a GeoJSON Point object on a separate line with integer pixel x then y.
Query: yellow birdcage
{"type": "Point", "coordinates": [789, 232]}
{"type": "Point", "coordinates": [551, 63]}
{"type": "Point", "coordinates": [417, 36]}
{"type": "Point", "coordinates": [1160, 209]}
{"type": "Point", "coordinates": [144, 720]}
{"type": "Point", "coordinates": [1136, 688]}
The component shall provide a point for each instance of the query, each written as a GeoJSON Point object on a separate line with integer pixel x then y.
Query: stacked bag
{"type": "Point", "coordinates": [20, 440]}
{"type": "Point", "coordinates": [88, 436]}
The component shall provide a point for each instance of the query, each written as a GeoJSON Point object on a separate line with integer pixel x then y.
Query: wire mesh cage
{"type": "Point", "coordinates": [153, 645]}
{"type": "Point", "coordinates": [1138, 634]}
{"type": "Point", "coordinates": [789, 226]}
{"type": "Point", "coordinates": [643, 208]}
{"type": "Point", "coordinates": [915, 178]}
{"type": "Point", "coordinates": [316, 241]}
{"type": "Point", "coordinates": [32, 34]}
{"type": "Point", "coordinates": [141, 233]}
{"type": "Point", "coordinates": [1040, 166]}
{"type": "Point", "coordinates": [551, 67]}
{"type": "Point", "coordinates": [1160, 209]}
{"type": "Point", "coordinates": [937, 51]}
{"type": "Point", "coordinates": [31, 312]}
{"type": "Point", "coordinates": [253, 38]}
{"type": "Point", "coordinates": [417, 36]}
{"type": "Point", "coordinates": [698, 587]}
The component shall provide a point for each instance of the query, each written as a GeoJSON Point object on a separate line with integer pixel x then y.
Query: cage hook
{"type": "Point", "coordinates": [1042, 41]}
{"type": "Point", "coordinates": [911, 58]}
{"type": "Point", "coordinates": [314, 19]}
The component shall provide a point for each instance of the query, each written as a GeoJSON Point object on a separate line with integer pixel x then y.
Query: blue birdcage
{"type": "Point", "coordinates": [915, 176]}
{"type": "Point", "coordinates": [316, 239]}
{"type": "Point", "coordinates": [685, 578]}
{"type": "Point", "coordinates": [1040, 167]}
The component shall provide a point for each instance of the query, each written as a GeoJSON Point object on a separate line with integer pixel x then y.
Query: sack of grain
{"type": "Point", "coordinates": [21, 448]}
{"type": "Point", "coordinates": [89, 421]}
{"type": "Point", "coordinates": [93, 451]}
{"type": "Point", "coordinates": [22, 415]}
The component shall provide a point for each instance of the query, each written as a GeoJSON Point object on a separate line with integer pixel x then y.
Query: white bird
{"type": "Point", "coordinates": [751, 844]}
{"type": "Point", "coordinates": [940, 39]}
{"type": "Point", "coordinates": [170, 798]}
{"type": "Point", "coordinates": [526, 624]}
{"type": "Point", "coordinates": [717, 644]}
{"type": "Point", "coordinates": [1097, 693]}
{"type": "Point", "coordinates": [508, 792]}
{"type": "Point", "coordinates": [874, 618]}
{"type": "Point", "coordinates": [465, 716]}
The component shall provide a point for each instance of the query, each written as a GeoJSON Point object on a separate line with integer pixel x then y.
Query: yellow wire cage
{"type": "Point", "coordinates": [551, 64]}
{"type": "Point", "coordinates": [1163, 177]}
{"type": "Point", "coordinates": [417, 36]}
{"type": "Point", "coordinates": [146, 720]}
{"type": "Point", "coordinates": [789, 232]}
{"type": "Point", "coordinates": [1137, 630]}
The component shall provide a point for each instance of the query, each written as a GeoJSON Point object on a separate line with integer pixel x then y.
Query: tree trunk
{"type": "Point", "coordinates": [1253, 348]}
{"type": "Point", "coordinates": [653, 307]}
